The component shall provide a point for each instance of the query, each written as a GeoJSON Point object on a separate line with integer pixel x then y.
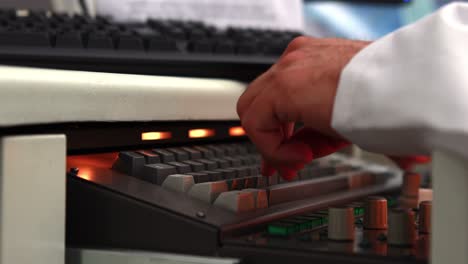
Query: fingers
{"type": "Point", "coordinates": [309, 143]}
{"type": "Point", "coordinates": [320, 145]}
{"type": "Point", "coordinates": [267, 169]}
{"type": "Point", "coordinates": [252, 91]}
{"type": "Point", "coordinates": [270, 134]}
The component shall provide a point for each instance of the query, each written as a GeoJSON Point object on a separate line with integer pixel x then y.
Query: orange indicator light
{"type": "Point", "coordinates": [236, 131]}
{"type": "Point", "coordinates": [201, 133]}
{"type": "Point", "coordinates": [85, 176]}
{"type": "Point", "coordinates": [155, 135]}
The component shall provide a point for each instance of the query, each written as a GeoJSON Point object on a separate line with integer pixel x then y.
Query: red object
{"type": "Point", "coordinates": [406, 163]}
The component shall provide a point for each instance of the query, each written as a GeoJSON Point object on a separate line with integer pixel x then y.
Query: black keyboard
{"type": "Point", "coordinates": [159, 47]}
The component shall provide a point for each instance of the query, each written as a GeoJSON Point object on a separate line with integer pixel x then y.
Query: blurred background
{"type": "Point", "coordinates": [364, 20]}
{"type": "Point", "coordinates": [354, 19]}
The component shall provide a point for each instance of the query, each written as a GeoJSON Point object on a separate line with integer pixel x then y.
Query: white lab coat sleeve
{"type": "Point", "coordinates": [407, 93]}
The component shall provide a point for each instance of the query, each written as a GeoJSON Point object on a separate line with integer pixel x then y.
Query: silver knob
{"type": "Point", "coordinates": [401, 227]}
{"type": "Point", "coordinates": [341, 223]}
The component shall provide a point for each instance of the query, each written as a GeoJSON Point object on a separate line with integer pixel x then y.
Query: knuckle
{"type": "Point", "coordinates": [247, 123]}
{"type": "Point", "coordinates": [290, 58]}
{"type": "Point", "coordinates": [242, 102]}
{"type": "Point", "coordinates": [298, 42]}
{"type": "Point", "coordinates": [240, 106]}
{"type": "Point", "coordinates": [281, 81]}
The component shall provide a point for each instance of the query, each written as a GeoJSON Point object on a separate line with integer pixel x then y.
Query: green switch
{"type": "Point", "coordinates": [324, 214]}
{"type": "Point", "coordinates": [391, 202]}
{"type": "Point", "coordinates": [309, 222]}
{"type": "Point", "coordinates": [358, 211]}
{"type": "Point", "coordinates": [281, 229]}
{"type": "Point", "coordinates": [321, 217]}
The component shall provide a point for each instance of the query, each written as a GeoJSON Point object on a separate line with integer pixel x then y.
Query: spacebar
{"type": "Point", "coordinates": [299, 190]}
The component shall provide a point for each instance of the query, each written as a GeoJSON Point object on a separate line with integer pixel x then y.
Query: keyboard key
{"type": "Point", "coordinates": [262, 182]}
{"type": "Point", "coordinates": [208, 191]}
{"type": "Point", "coordinates": [69, 40]}
{"type": "Point", "coordinates": [193, 153]}
{"type": "Point", "coordinates": [236, 184]}
{"type": "Point", "coordinates": [260, 197]}
{"type": "Point", "coordinates": [178, 182]}
{"type": "Point", "coordinates": [197, 34]}
{"type": "Point", "coordinates": [209, 164]}
{"type": "Point", "coordinates": [227, 173]}
{"type": "Point", "coordinates": [250, 148]}
{"type": "Point", "coordinates": [236, 201]}
{"type": "Point", "coordinates": [240, 149]}
{"type": "Point", "coordinates": [250, 182]}
{"type": "Point", "coordinates": [241, 171]}
{"type": "Point", "coordinates": [245, 160]}
{"type": "Point", "coordinates": [222, 163]}
{"type": "Point", "coordinates": [150, 156]}
{"type": "Point", "coordinates": [316, 172]}
{"type": "Point", "coordinates": [165, 155]}
{"type": "Point", "coordinates": [247, 48]}
{"type": "Point", "coordinates": [40, 39]}
{"type": "Point", "coordinates": [254, 170]}
{"type": "Point", "coordinates": [302, 174]}
{"type": "Point", "coordinates": [224, 47]}
{"type": "Point", "coordinates": [214, 175]}
{"type": "Point", "coordinates": [273, 179]}
{"type": "Point", "coordinates": [180, 154]}
{"type": "Point", "coordinates": [157, 173]}
{"type": "Point", "coordinates": [130, 163]}
{"type": "Point", "coordinates": [228, 150]}
{"type": "Point", "coordinates": [176, 33]}
{"type": "Point", "coordinates": [206, 152]}
{"type": "Point", "coordinates": [200, 177]}
{"type": "Point", "coordinates": [218, 152]}
{"type": "Point", "coordinates": [129, 42]}
{"type": "Point", "coordinates": [196, 166]}
{"type": "Point", "coordinates": [255, 159]}
{"type": "Point", "coordinates": [100, 41]}
{"type": "Point", "coordinates": [275, 48]}
{"type": "Point", "coordinates": [234, 162]}
{"type": "Point", "coordinates": [181, 167]}
{"type": "Point", "coordinates": [161, 44]}
{"type": "Point", "coordinates": [201, 46]}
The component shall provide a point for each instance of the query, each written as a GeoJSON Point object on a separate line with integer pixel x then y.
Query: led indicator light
{"type": "Point", "coordinates": [236, 131]}
{"type": "Point", "coordinates": [155, 135]}
{"type": "Point", "coordinates": [201, 133]}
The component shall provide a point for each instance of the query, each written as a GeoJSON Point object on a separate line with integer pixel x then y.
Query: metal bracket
{"type": "Point", "coordinates": [32, 199]}
{"type": "Point", "coordinates": [449, 243]}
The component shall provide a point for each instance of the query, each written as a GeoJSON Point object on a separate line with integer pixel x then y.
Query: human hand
{"type": "Point", "coordinates": [300, 87]}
